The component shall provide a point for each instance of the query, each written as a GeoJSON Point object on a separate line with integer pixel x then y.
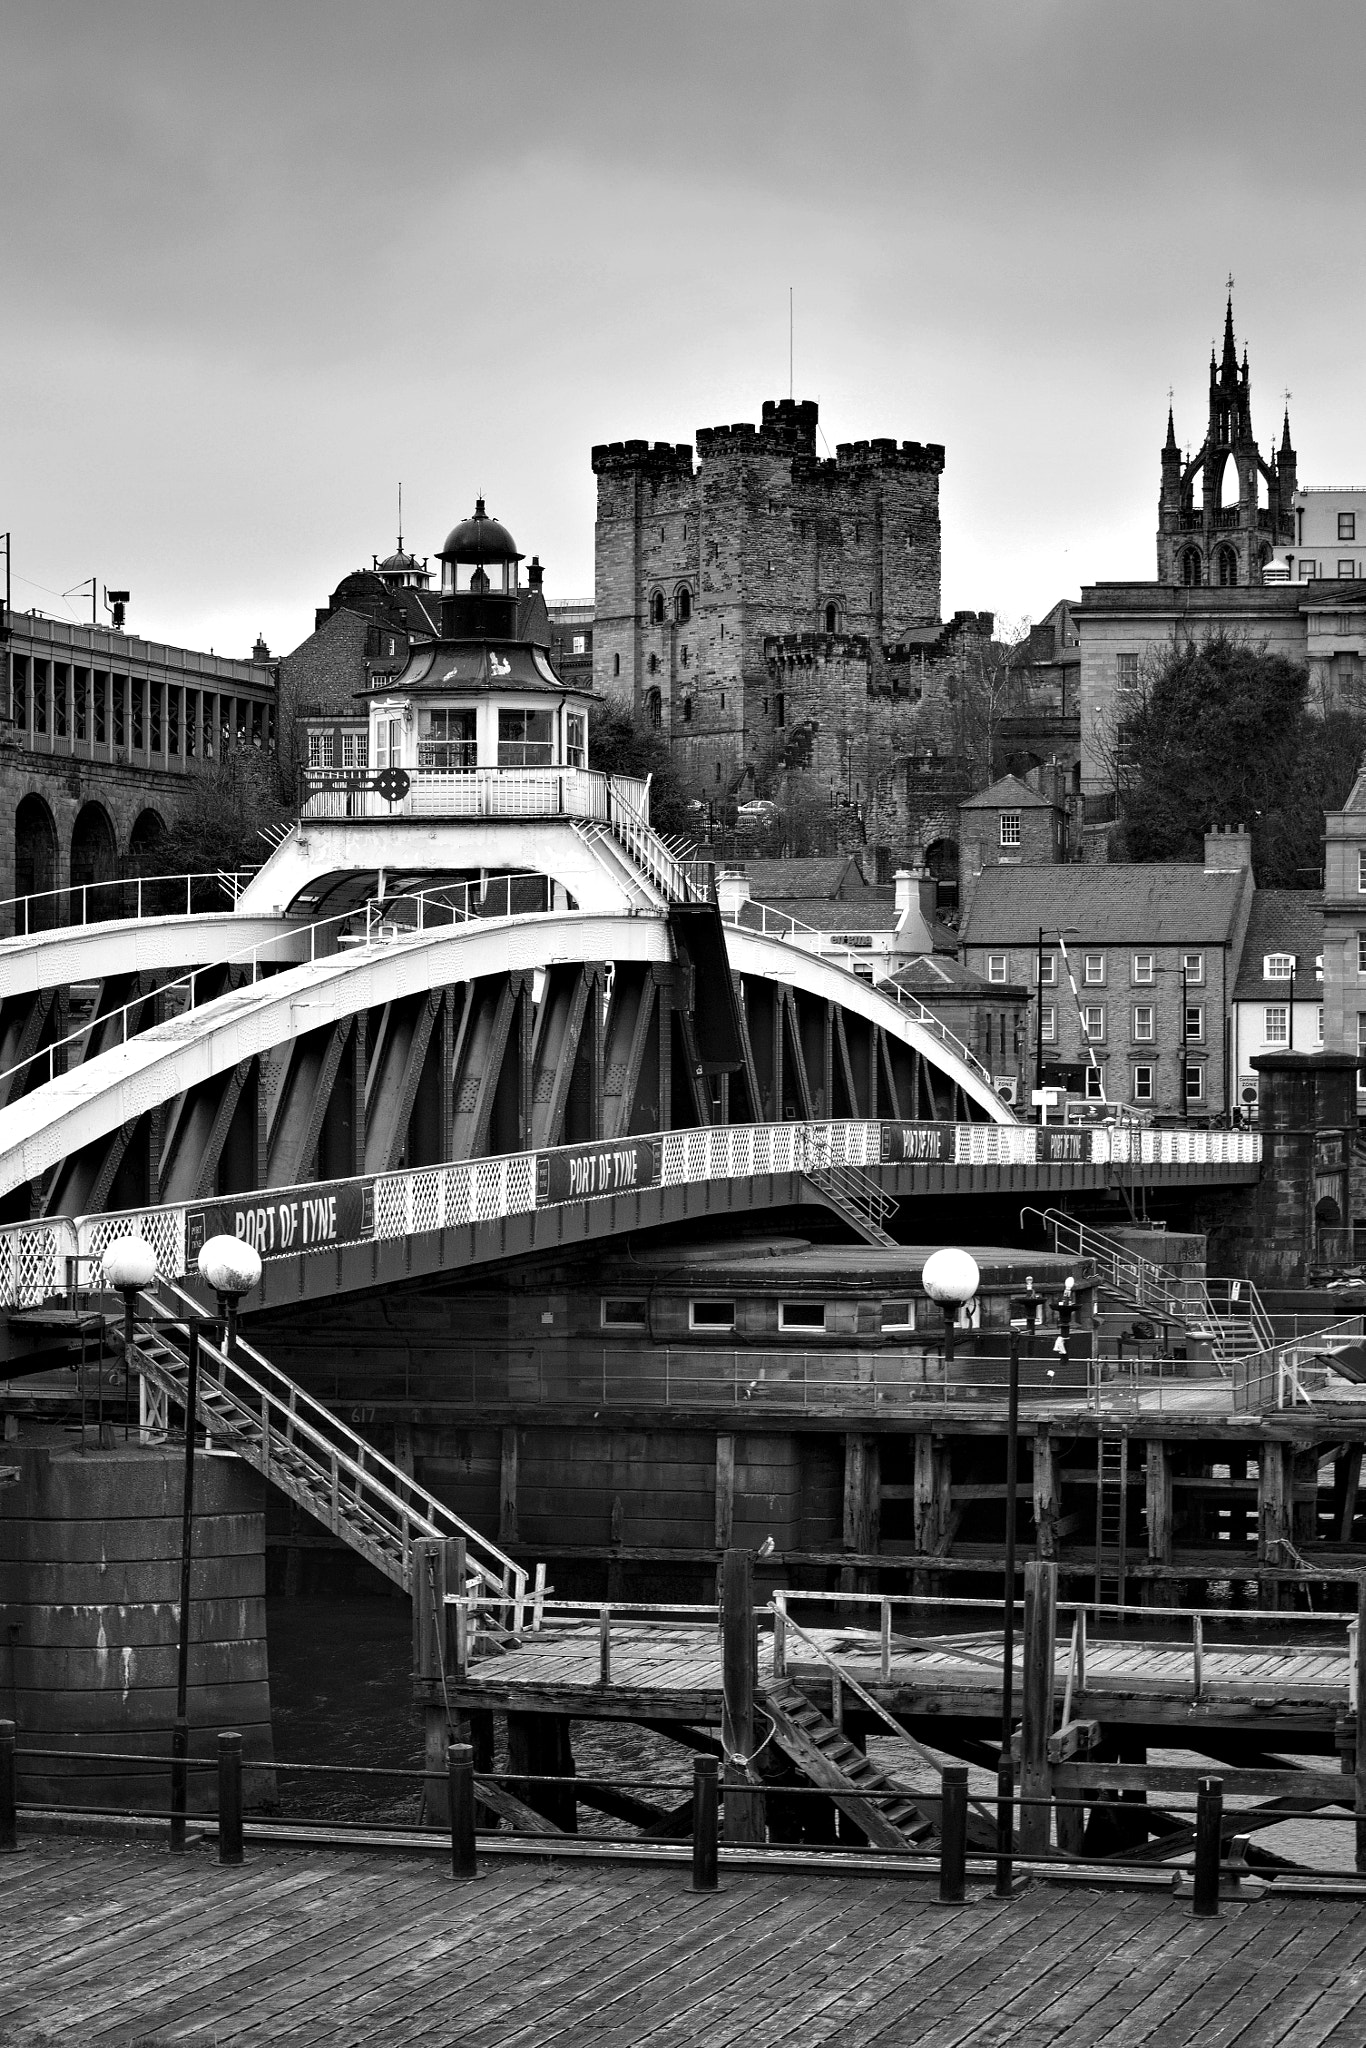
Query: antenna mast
{"type": "Point", "coordinates": [791, 386]}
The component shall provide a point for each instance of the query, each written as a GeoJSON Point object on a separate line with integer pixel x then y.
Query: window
{"type": "Point", "coordinates": [1347, 526]}
{"type": "Point", "coordinates": [687, 711]}
{"type": "Point", "coordinates": [1010, 828]}
{"type": "Point", "coordinates": [623, 1312]}
{"type": "Point", "coordinates": [1361, 874]}
{"type": "Point", "coordinates": [1318, 1024]}
{"type": "Point", "coordinates": [445, 739]}
{"type": "Point", "coordinates": [1195, 1023]}
{"type": "Point", "coordinates": [1094, 970]}
{"type": "Point", "coordinates": [1361, 952]}
{"type": "Point", "coordinates": [320, 746]}
{"type": "Point", "coordinates": [683, 657]}
{"type": "Point", "coordinates": [653, 664]}
{"type": "Point", "coordinates": [579, 643]}
{"type": "Point", "coordinates": [1126, 671]}
{"type": "Point", "coordinates": [657, 607]}
{"type": "Point", "coordinates": [1095, 1085]}
{"type": "Point", "coordinates": [1190, 568]}
{"type": "Point", "coordinates": [1143, 1021]}
{"type": "Point", "coordinates": [683, 606]}
{"type": "Point", "coordinates": [780, 709]}
{"type": "Point", "coordinates": [1195, 1082]}
{"type": "Point", "coordinates": [1278, 966]}
{"type": "Point", "coordinates": [575, 740]}
{"type": "Point", "coordinates": [711, 1315]}
{"type": "Point", "coordinates": [526, 739]}
{"type": "Point", "coordinates": [1143, 1084]}
{"type": "Point", "coordinates": [616, 664]}
{"type": "Point", "coordinates": [1227, 563]}
{"type": "Point", "coordinates": [996, 967]}
{"type": "Point", "coordinates": [1275, 1030]}
{"type": "Point", "coordinates": [1143, 966]}
{"type": "Point", "coordinates": [1306, 570]}
{"type": "Point", "coordinates": [1093, 1021]}
{"type": "Point", "coordinates": [832, 618]}
{"type": "Point", "coordinates": [1193, 967]}
{"type": "Point", "coordinates": [1346, 569]}
{"type": "Point", "coordinates": [801, 1315]}
{"type": "Point", "coordinates": [898, 1315]}
{"type": "Point", "coordinates": [355, 750]}
{"type": "Point", "coordinates": [1046, 970]}
{"type": "Point", "coordinates": [654, 712]}
{"type": "Point", "coordinates": [1050, 1024]}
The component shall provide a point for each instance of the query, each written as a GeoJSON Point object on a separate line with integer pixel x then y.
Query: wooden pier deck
{"type": "Point", "coordinates": [674, 1673]}
{"type": "Point", "coordinates": [109, 1945]}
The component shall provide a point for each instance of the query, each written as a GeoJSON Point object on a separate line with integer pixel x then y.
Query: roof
{"type": "Point", "coordinates": [868, 915]}
{"type": "Point", "coordinates": [805, 876]}
{"type": "Point", "coordinates": [936, 974]}
{"type": "Point", "coordinates": [470, 666]}
{"type": "Point", "coordinates": [793, 1263]}
{"type": "Point", "coordinates": [479, 539]}
{"type": "Point", "coordinates": [1282, 921]}
{"type": "Point", "coordinates": [1009, 794]}
{"type": "Point", "coordinates": [1154, 903]}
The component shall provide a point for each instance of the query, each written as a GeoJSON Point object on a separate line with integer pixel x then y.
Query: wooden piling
{"type": "Point", "coordinates": [1036, 1719]}
{"type": "Point", "coordinates": [9, 1790]}
{"type": "Point", "coordinates": [229, 1796]}
{"type": "Point", "coordinates": [1361, 1725]}
{"type": "Point", "coordinates": [739, 1670]}
{"type": "Point", "coordinates": [704, 1824]}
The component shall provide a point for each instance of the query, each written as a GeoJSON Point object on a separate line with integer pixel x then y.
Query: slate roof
{"type": "Point", "coordinates": [933, 974]}
{"type": "Point", "coordinates": [1009, 794]}
{"type": "Point", "coordinates": [805, 876]}
{"type": "Point", "coordinates": [1155, 903]}
{"type": "Point", "coordinates": [1282, 921]}
{"type": "Point", "coordinates": [866, 916]}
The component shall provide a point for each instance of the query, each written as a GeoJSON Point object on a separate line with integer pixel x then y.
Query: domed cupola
{"type": "Point", "coordinates": [479, 579]}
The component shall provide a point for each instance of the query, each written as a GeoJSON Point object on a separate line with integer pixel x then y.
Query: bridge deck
{"type": "Point", "coordinates": [109, 1944]}
{"type": "Point", "coordinates": [674, 1672]}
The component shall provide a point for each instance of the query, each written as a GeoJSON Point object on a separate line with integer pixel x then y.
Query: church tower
{"type": "Point", "coordinates": [1227, 536]}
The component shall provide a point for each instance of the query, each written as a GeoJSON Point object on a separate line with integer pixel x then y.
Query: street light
{"type": "Point", "coordinates": [951, 1277]}
{"type": "Point", "coordinates": [129, 1264]}
{"type": "Point", "coordinates": [232, 1268]}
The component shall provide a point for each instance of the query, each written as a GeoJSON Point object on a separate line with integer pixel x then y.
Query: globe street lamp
{"type": "Point", "coordinates": [232, 1268]}
{"type": "Point", "coordinates": [129, 1264]}
{"type": "Point", "coordinates": [951, 1277]}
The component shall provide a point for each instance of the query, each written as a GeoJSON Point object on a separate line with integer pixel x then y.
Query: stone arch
{"type": "Point", "coordinates": [149, 829]}
{"type": "Point", "coordinates": [1192, 572]}
{"type": "Point", "coordinates": [1230, 484]}
{"type": "Point", "coordinates": [35, 864]}
{"type": "Point", "coordinates": [94, 858]}
{"type": "Point", "coordinates": [657, 608]}
{"type": "Point", "coordinates": [832, 616]}
{"type": "Point", "coordinates": [654, 708]}
{"type": "Point", "coordinates": [682, 604]}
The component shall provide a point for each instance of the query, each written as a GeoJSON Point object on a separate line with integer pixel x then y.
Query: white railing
{"type": "Point", "coordinates": [46, 1258]}
{"type": "Point", "coordinates": [476, 793]}
{"type": "Point", "coordinates": [80, 903]}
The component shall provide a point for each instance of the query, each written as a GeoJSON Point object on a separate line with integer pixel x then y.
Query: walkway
{"type": "Point", "coordinates": [117, 1945]}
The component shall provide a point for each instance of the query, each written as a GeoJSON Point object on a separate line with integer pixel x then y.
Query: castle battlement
{"type": "Point", "coordinates": [926, 457]}
{"type": "Point", "coordinates": [665, 458]}
{"type": "Point", "coordinates": [813, 647]}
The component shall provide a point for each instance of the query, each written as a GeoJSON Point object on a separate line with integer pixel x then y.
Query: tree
{"type": "Point", "coordinates": [219, 823]}
{"type": "Point", "coordinates": [1219, 732]}
{"type": "Point", "coordinates": [620, 744]}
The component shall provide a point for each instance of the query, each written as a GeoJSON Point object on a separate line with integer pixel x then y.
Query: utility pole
{"type": "Point", "coordinates": [1185, 1091]}
{"type": "Point", "coordinates": [1038, 1028]}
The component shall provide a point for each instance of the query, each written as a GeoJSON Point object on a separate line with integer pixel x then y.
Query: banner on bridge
{"type": "Point", "coordinates": [304, 1220]}
{"type": "Point", "coordinates": [906, 1143]}
{"type": "Point", "coordinates": [585, 1173]}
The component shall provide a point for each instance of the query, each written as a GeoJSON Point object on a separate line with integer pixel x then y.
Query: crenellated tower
{"type": "Point", "coordinates": [1243, 512]}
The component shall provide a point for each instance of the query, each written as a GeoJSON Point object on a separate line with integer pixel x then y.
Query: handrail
{"type": "Point", "coordinates": [232, 880]}
{"type": "Point", "coordinates": [337, 1444]}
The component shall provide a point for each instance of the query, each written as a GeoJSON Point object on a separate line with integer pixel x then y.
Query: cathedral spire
{"type": "Point", "coordinates": [1230, 362]}
{"type": "Point", "coordinates": [1171, 447]}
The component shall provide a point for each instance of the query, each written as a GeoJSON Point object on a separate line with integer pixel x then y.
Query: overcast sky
{"type": "Point", "coordinates": [259, 262]}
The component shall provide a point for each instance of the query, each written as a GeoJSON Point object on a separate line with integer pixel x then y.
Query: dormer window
{"type": "Point", "coordinates": [1278, 966]}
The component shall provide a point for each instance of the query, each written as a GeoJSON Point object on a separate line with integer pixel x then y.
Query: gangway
{"type": "Point", "coordinates": [248, 1406]}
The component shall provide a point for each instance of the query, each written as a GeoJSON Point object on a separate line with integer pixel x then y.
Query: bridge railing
{"type": "Point", "coordinates": [80, 903]}
{"type": "Point", "coordinates": [44, 1259]}
{"type": "Point", "coordinates": [475, 793]}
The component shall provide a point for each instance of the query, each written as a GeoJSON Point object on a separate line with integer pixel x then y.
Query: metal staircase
{"type": "Point", "coordinates": [1225, 1314]}
{"type": "Point", "coordinates": [247, 1406]}
{"type": "Point", "coordinates": [857, 1197]}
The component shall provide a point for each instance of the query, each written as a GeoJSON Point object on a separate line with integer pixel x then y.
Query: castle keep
{"type": "Point", "coordinates": [764, 607]}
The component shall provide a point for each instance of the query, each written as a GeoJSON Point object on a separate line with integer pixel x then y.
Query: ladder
{"type": "Point", "coordinates": [246, 1405]}
{"type": "Point", "coordinates": [857, 1197]}
{"type": "Point", "coordinates": [1112, 1513]}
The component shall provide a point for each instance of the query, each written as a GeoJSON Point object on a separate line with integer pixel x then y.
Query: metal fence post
{"type": "Point", "coordinates": [953, 1835]}
{"type": "Point", "coordinates": [460, 1769]}
{"type": "Point", "coordinates": [9, 1790]}
{"type": "Point", "coordinates": [704, 1793]}
{"type": "Point", "coordinates": [1209, 1831]}
{"type": "Point", "coordinates": [229, 1796]}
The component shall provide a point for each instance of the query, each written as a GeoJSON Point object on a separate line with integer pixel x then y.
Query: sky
{"type": "Point", "coordinates": [259, 263]}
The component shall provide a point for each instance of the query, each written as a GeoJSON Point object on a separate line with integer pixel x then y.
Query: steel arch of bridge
{"type": "Point", "coordinates": [525, 1032]}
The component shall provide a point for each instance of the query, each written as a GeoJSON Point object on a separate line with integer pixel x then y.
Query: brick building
{"type": "Point", "coordinates": [102, 738]}
{"type": "Point", "coordinates": [776, 614]}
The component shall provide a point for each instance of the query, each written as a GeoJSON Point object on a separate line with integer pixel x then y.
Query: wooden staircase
{"type": "Point", "coordinates": [830, 1760]}
{"type": "Point", "coordinates": [246, 1405]}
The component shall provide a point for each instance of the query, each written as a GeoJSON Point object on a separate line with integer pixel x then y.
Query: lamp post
{"type": "Point", "coordinates": [951, 1278]}
{"type": "Point", "coordinates": [231, 1268]}
{"type": "Point", "coordinates": [129, 1264]}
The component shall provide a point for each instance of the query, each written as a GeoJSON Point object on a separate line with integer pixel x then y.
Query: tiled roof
{"type": "Point", "coordinates": [1009, 794]}
{"type": "Point", "coordinates": [1282, 921]}
{"type": "Point", "coordinates": [1156, 903]}
{"type": "Point", "coordinates": [863, 915]}
{"type": "Point", "coordinates": [933, 974]}
{"type": "Point", "coordinates": [805, 875]}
